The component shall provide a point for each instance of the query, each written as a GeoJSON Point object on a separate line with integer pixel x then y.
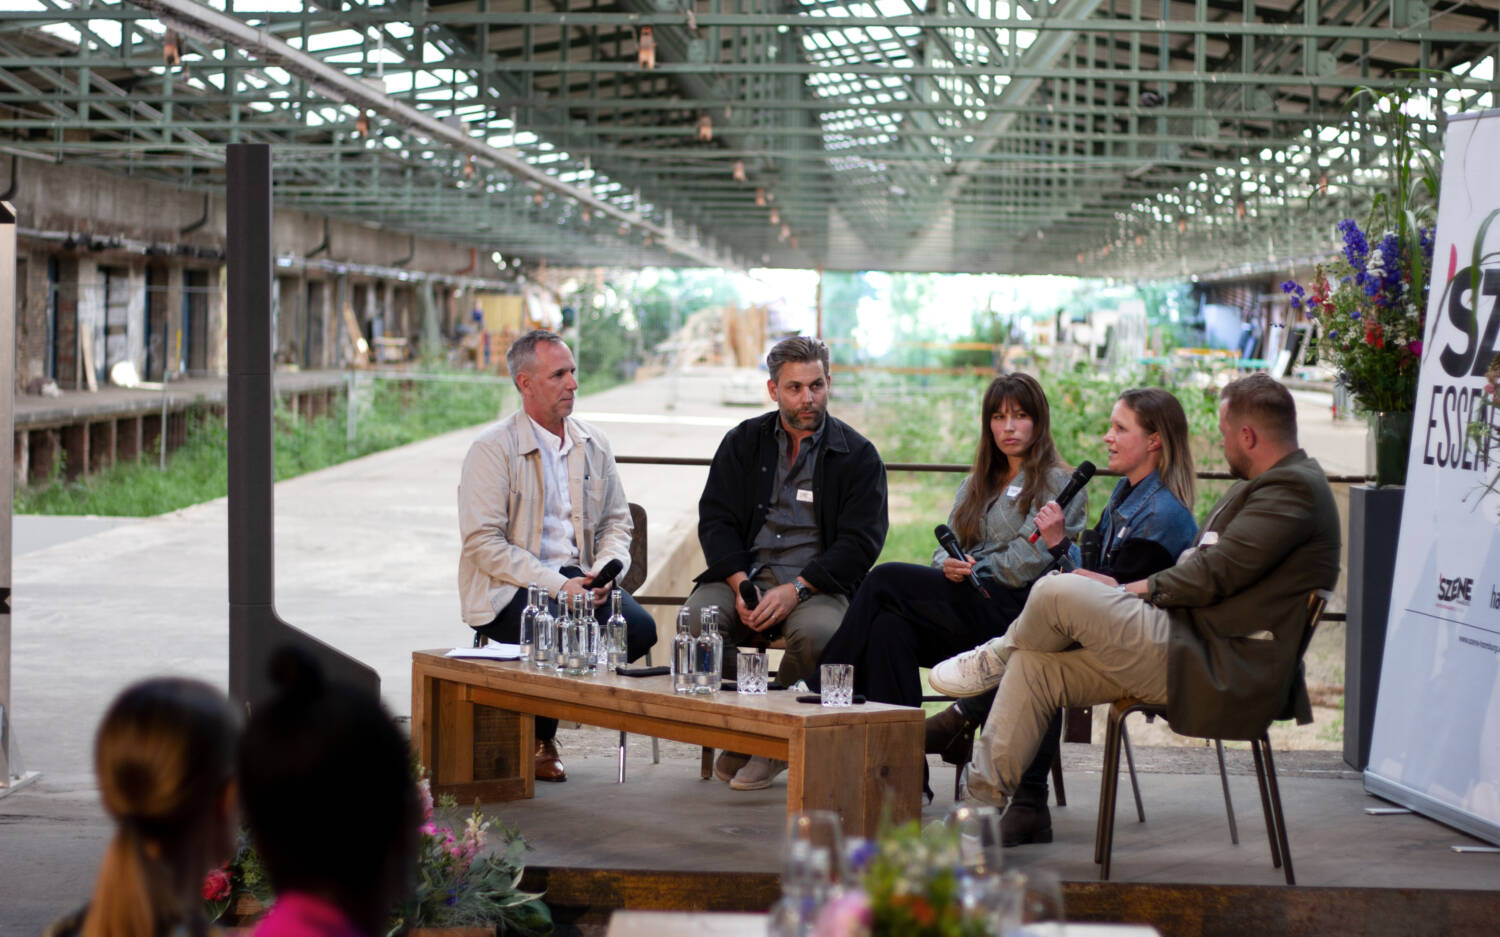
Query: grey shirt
{"type": "Point", "coordinates": [788, 540]}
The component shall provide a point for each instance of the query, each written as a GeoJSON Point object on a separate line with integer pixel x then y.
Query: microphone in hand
{"type": "Point", "coordinates": [1081, 476]}
{"type": "Point", "coordinates": [607, 574]}
{"type": "Point", "coordinates": [949, 543]}
{"type": "Point", "coordinates": [748, 594]}
{"type": "Point", "coordinates": [1089, 547]}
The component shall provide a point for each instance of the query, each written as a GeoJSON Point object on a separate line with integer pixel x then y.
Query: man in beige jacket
{"type": "Point", "coordinates": [540, 501]}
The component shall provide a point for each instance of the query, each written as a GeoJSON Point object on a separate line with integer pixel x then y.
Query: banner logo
{"type": "Point", "coordinates": [1455, 591]}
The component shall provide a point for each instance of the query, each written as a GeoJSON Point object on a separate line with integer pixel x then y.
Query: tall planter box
{"type": "Point", "coordinates": [1374, 523]}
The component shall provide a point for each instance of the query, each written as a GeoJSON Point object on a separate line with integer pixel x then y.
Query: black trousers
{"type": "Point", "coordinates": [640, 633]}
{"type": "Point", "coordinates": [904, 617]}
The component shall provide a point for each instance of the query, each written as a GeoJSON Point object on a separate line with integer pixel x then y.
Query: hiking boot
{"type": "Point", "coordinates": [1027, 820]}
{"type": "Point", "coordinates": [951, 735]}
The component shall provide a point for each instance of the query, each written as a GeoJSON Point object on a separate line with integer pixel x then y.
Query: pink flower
{"type": "Point", "coordinates": [216, 886]}
{"type": "Point", "coordinates": [424, 794]}
{"type": "Point", "coordinates": [848, 915]}
{"type": "Point", "coordinates": [429, 828]}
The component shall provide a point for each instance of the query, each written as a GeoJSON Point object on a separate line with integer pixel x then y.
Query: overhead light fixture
{"type": "Point", "coordinates": [739, 170]}
{"type": "Point", "coordinates": [645, 49]}
{"type": "Point", "coordinates": [760, 197]}
{"type": "Point", "coordinates": [362, 125]}
{"type": "Point", "coordinates": [171, 48]}
{"type": "Point", "coordinates": [705, 128]}
{"type": "Point", "coordinates": [775, 217]}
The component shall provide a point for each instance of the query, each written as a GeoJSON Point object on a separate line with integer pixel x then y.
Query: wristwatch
{"type": "Point", "coordinates": [804, 592]}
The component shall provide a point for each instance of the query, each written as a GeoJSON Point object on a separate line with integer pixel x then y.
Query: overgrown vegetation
{"type": "Point", "coordinates": [937, 420]}
{"type": "Point", "coordinates": [391, 413]}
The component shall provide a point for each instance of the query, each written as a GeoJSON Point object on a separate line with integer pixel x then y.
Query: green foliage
{"type": "Point", "coordinates": [392, 413]}
{"type": "Point", "coordinates": [938, 421]}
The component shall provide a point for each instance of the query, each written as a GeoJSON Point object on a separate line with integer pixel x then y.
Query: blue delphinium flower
{"type": "Point", "coordinates": [1355, 245]}
{"type": "Point", "coordinates": [1296, 292]}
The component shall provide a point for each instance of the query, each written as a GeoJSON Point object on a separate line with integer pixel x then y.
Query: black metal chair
{"type": "Point", "coordinates": [1260, 747]}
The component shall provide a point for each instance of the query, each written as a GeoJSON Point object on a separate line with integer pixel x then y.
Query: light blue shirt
{"type": "Point", "coordinates": [559, 548]}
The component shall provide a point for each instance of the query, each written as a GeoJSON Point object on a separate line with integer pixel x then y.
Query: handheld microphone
{"type": "Point", "coordinates": [949, 543]}
{"type": "Point", "coordinates": [1089, 547]}
{"type": "Point", "coordinates": [607, 574]}
{"type": "Point", "coordinates": [748, 594]}
{"type": "Point", "coordinates": [1081, 476]}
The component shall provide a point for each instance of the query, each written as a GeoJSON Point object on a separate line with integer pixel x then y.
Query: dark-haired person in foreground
{"type": "Point", "coordinates": [795, 505]}
{"type": "Point", "coordinates": [164, 755]}
{"type": "Point", "coordinates": [1213, 638]}
{"type": "Point", "coordinates": [326, 782]}
{"type": "Point", "coordinates": [540, 501]}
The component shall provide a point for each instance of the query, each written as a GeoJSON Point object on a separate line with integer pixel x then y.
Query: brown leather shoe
{"type": "Point", "coordinates": [549, 766]}
{"type": "Point", "coordinates": [951, 735]}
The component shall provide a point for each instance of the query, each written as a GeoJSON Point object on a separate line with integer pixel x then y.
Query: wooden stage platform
{"type": "Point", "coordinates": [667, 840]}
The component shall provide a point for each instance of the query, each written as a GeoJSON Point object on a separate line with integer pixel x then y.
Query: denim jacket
{"type": "Point", "coordinates": [1149, 519]}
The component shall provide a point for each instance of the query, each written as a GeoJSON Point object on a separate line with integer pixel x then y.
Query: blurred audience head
{"type": "Point", "coordinates": [164, 755]}
{"type": "Point", "coordinates": [327, 786]}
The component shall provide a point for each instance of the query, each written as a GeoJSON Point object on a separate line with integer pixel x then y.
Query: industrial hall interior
{"type": "Point", "coordinates": [304, 248]}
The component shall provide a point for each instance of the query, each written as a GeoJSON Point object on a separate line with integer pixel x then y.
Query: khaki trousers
{"type": "Point", "coordinates": [1123, 652]}
{"type": "Point", "coordinates": [808, 628]}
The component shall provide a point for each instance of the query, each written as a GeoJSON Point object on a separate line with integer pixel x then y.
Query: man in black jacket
{"type": "Point", "coordinates": [795, 504]}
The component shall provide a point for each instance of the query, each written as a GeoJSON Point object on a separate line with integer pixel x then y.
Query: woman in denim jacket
{"type": "Point", "coordinates": [1145, 526]}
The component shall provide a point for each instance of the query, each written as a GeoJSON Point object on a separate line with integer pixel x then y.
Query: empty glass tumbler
{"type": "Point", "coordinates": [751, 677]}
{"type": "Point", "coordinates": [838, 684]}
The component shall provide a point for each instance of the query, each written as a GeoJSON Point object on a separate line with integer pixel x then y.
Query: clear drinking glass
{"type": "Point", "coordinates": [751, 677]}
{"type": "Point", "coordinates": [527, 636]}
{"type": "Point", "coordinates": [1033, 904]}
{"type": "Point", "coordinates": [838, 684]}
{"type": "Point", "coordinates": [982, 891]}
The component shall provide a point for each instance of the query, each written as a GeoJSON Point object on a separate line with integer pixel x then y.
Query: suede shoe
{"type": "Point", "coordinates": [1025, 823]}
{"type": "Point", "coordinates": [970, 673]}
{"type": "Point", "coordinates": [728, 764]}
{"type": "Point", "coordinates": [951, 735]}
{"type": "Point", "coordinates": [549, 766]}
{"type": "Point", "coordinates": [757, 774]}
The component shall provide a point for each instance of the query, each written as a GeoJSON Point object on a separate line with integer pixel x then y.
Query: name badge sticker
{"type": "Point", "coordinates": [1014, 491]}
{"type": "Point", "coordinates": [805, 494]}
{"type": "Point", "coordinates": [1210, 537]}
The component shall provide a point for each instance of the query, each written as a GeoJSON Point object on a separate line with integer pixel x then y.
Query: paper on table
{"type": "Point", "coordinates": [491, 651]}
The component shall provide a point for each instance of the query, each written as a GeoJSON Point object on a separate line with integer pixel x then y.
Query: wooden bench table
{"type": "Point", "coordinates": [845, 759]}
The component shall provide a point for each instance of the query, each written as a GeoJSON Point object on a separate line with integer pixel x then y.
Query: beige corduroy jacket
{"type": "Point", "coordinates": [500, 507]}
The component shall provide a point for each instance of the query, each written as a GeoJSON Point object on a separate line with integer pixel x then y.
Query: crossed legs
{"type": "Point", "coordinates": [1076, 643]}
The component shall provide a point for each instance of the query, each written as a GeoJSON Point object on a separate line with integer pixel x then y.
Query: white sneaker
{"type": "Point", "coordinates": [757, 774]}
{"type": "Point", "coordinates": [970, 673]}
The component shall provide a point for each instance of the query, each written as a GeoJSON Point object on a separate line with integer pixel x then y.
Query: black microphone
{"type": "Point", "coordinates": [748, 594]}
{"type": "Point", "coordinates": [607, 574]}
{"type": "Point", "coordinates": [1081, 476]}
{"type": "Point", "coordinates": [949, 543]}
{"type": "Point", "coordinates": [1089, 547]}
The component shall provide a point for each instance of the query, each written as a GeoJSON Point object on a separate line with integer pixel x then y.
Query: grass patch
{"type": "Point", "coordinates": [390, 414]}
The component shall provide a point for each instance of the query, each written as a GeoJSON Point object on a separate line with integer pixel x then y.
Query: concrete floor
{"type": "Point", "coordinates": [365, 561]}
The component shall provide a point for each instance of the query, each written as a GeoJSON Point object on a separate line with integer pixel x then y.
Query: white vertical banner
{"type": "Point", "coordinates": [1436, 741]}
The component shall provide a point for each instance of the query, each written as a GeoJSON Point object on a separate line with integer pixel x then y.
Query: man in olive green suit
{"type": "Point", "coordinates": [1215, 637]}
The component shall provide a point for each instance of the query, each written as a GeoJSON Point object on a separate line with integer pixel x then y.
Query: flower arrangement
{"type": "Point", "coordinates": [909, 887]}
{"type": "Point", "coordinates": [1371, 301]}
{"type": "Point", "coordinates": [1371, 307]}
{"type": "Point", "coordinates": [457, 883]}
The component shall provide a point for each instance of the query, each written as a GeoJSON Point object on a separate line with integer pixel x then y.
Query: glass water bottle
{"type": "Point", "coordinates": [527, 637]}
{"type": "Point", "coordinates": [710, 653]}
{"type": "Point", "coordinates": [684, 652]}
{"type": "Point", "coordinates": [614, 653]}
{"type": "Point", "coordinates": [544, 633]}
